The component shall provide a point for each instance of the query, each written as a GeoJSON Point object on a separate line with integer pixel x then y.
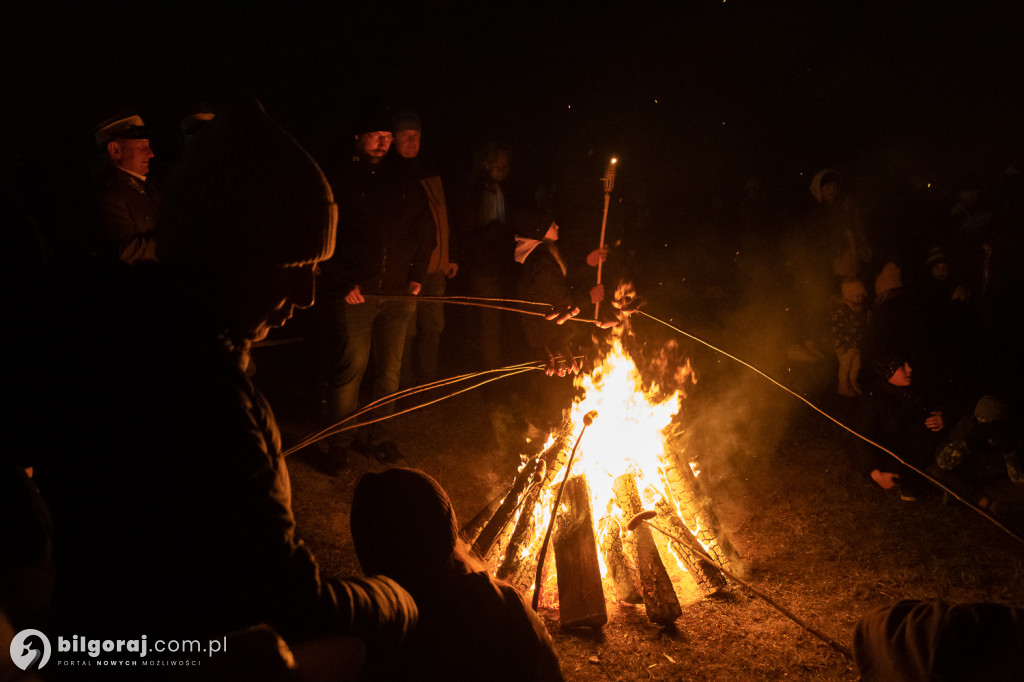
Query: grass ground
{"type": "Point", "coordinates": [818, 537]}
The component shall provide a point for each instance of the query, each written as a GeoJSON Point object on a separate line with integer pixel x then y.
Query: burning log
{"type": "Point", "coordinates": [580, 594]}
{"type": "Point", "coordinates": [515, 568]}
{"type": "Point", "coordinates": [512, 568]}
{"type": "Point", "coordinates": [513, 499]}
{"type": "Point", "coordinates": [655, 585]}
{"type": "Point", "coordinates": [621, 571]}
{"type": "Point", "coordinates": [699, 517]}
{"type": "Point", "coordinates": [707, 576]}
{"type": "Point", "coordinates": [471, 530]}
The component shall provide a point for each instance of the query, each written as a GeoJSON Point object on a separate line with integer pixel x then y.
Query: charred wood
{"type": "Point", "coordinates": [655, 585]}
{"type": "Point", "coordinates": [707, 576]}
{"type": "Point", "coordinates": [620, 569]}
{"type": "Point", "coordinates": [504, 513]}
{"type": "Point", "coordinates": [699, 517]}
{"type": "Point", "coordinates": [580, 593]}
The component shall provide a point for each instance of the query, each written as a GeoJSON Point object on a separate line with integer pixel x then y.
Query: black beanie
{"type": "Point", "coordinates": [246, 193]}
{"type": "Point", "coordinates": [372, 119]}
{"type": "Point", "coordinates": [402, 521]}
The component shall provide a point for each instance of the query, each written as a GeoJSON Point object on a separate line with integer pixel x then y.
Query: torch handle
{"type": "Point", "coordinates": [600, 245]}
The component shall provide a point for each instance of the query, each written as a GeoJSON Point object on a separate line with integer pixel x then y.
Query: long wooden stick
{"type": "Point", "coordinates": [644, 517]}
{"type": "Point", "coordinates": [609, 182]}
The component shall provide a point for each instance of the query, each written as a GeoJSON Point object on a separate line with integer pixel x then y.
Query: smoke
{"type": "Point", "coordinates": [767, 308]}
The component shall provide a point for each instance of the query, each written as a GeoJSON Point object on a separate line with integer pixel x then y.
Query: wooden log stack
{"type": "Point", "coordinates": [505, 533]}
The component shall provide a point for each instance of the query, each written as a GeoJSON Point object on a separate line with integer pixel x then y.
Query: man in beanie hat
{"type": "Point", "coordinates": [424, 334]}
{"type": "Point", "coordinates": [385, 238]}
{"type": "Point", "coordinates": [472, 626]}
{"type": "Point", "coordinates": [160, 460]}
{"type": "Point", "coordinates": [122, 207]}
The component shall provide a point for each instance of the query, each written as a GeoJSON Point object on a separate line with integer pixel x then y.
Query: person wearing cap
{"type": "Point", "coordinates": [984, 448]}
{"type": "Point", "coordinates": [160, 460]}
{"type": "Point", "coordinates": [472, 626]}
{"type": "Point", "coordinates": [424, 334]}
{"type": "Point", "coordinates": [122, 207]}
{"type": "Point", "coordinates": [386, 234]}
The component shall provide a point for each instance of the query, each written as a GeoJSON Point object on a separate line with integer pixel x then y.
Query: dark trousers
{"type": "Point", "coordinates": [375, 328]}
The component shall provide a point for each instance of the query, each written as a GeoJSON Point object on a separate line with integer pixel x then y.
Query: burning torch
{"type": "Point", "coordinates": [609, 182]}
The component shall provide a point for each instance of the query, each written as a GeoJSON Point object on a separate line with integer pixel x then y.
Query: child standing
{"type": "Point", "coordinates": [849, 317]}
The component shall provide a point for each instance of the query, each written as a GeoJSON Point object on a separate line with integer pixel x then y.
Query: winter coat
{"type": "Point", "coordinates": [386, 232]}
{"type": "Point", "coordinates": [162, 467]}
{"type": "Point", "coordinates": [473, 627]}
{"type": "Point", "coordinates": [541, 279]}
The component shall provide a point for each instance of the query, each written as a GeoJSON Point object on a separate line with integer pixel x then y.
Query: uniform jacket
{"type": "Point", "coordinates": [121, 215]}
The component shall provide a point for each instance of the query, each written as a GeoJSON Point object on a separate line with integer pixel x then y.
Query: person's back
{"type": "Point", "coordinates": [471, 627]}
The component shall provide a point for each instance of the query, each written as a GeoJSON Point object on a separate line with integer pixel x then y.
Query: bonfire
{"type": "Point", "coordinates": [620, 443]}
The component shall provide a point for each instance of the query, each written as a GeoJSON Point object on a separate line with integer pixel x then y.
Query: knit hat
{"type": "Point", "coordinates": [822, 178]}
{"type": "Point", "coordinates": [407, 120]}
{"type": "Point", "coordinates": [991, 409]}
{"type": "Point", "coordinates": [372, 119]}
{"type": "Point", "coordinates": [246, 194]}
{"type": "Point", "coordinates": [888, 279]}
{"type": "Point", "coordinates": [402, 522]}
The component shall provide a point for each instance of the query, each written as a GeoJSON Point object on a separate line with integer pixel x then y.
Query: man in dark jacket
{"type": "Point", "coordinates": [122, 207]}
{"type": "Point", "coordinates": [159, 459]}
{"type": "Point", "coordinates": [385, 238]}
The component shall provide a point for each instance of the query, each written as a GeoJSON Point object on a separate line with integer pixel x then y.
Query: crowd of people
{"type": "Point", "coordinates": [920, 330]}
{"type": "Point", "coordinates": [145, 490]}
{"type": "Point", "coordinates": [145, 482]}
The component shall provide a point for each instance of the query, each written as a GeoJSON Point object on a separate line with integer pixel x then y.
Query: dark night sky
{"type": "Point", "coordinates": [700, 92]}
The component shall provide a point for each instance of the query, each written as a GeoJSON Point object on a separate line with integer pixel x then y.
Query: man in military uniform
{"type": "Point", "coordinates": [122, 207]}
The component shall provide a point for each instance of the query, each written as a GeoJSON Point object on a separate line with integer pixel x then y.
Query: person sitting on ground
{"type": "Point", "coordinates": [159, 459]}
{"type": "Point", "coordinates": [984, 447]}
{"type": "Point", "coordinates": [894, 415]}
{"type": "Point", "coordinates": [472, 626]}
{"type": "Point", "coordinates": [918, 640]}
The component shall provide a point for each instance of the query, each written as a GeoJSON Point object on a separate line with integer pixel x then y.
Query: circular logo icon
{"type": "Point", "coordinates": [30, 650]}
